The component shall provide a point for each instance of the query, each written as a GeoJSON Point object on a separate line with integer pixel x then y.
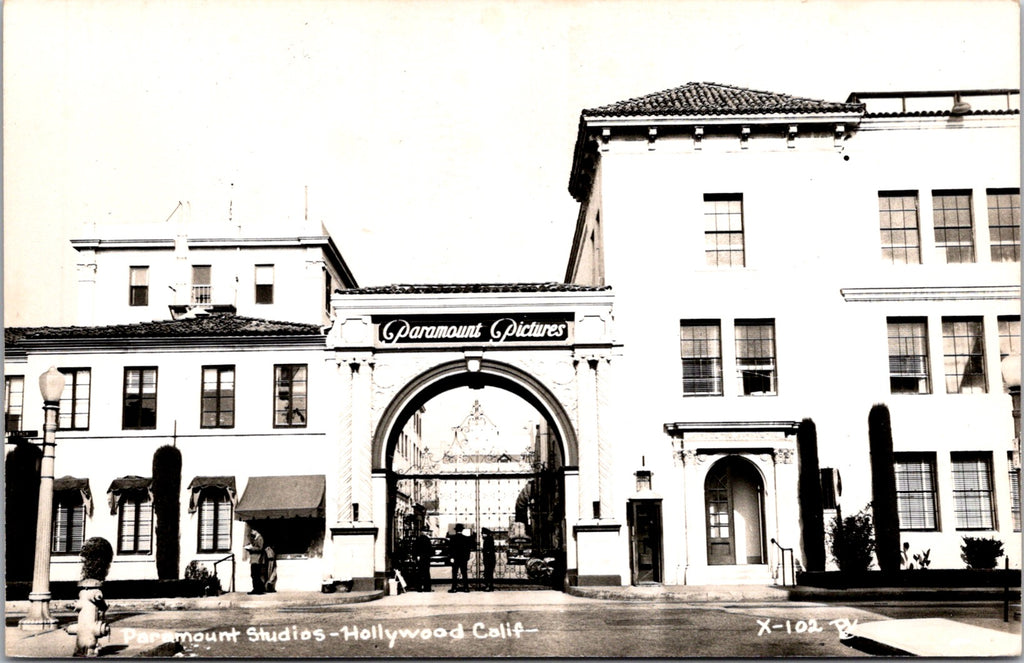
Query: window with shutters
{"type": "Point", "coordinates": [963, 348]}
{"type": "Point", "coordinates": [916, 500]}
{"type": "Point", "coordinates": [972, 491]}
{"type": "Point", "coordinates": [68, 522]}
{"type": "Point", "coordinates": [218, 406]}
{"type": "Point", "coordinates": [898, 221]}
{"type": "Point", "coordinates": [214, 520]}
{"type": "Point", "coordinates": [908, 356]}
{"type": "Point", "coordinates": [74, 400]}
{"type": "Point", "coordinates": [201, 285]}
{"type": "Point", "coordinates": [755, 357]}
{"type": "Point", "coordinates": [135, 524]}
{"type": "Point", "coordinates": [701, 349]}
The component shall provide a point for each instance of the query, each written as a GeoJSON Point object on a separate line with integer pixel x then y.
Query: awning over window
{"type": "Point", "coordinates": [75, 485]}
{"type": "Point", "coordinates": [300, 496]}
{"type": "Point", "coordinates": [200, 483]}
{"type": "Point", "coordinates": [131, 484]}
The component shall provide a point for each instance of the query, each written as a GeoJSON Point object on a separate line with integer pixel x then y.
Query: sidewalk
{"type": "Point", "coordinates": [774, 593]}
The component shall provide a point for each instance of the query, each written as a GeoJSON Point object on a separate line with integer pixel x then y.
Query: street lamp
{"type": "Point", "coordinates": [1010, 368]}
{"type": "Point", "coordinates": [51, 385]}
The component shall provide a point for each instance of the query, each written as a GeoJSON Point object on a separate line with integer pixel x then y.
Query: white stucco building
{"type": "Point", "coordinates": [743, 261]}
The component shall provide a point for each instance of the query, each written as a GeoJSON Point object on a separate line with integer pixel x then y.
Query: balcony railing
{"type": "Point", "coordinates": [201, 294]}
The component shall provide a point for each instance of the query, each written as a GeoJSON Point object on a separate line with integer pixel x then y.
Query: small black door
{"type": "Point", "coordinates": [645, 541]}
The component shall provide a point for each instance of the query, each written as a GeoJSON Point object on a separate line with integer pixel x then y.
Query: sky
{"type": "Point", "coordinates": [434, 138]}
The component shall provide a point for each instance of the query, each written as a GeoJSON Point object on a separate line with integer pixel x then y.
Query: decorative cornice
{"type": "Point", "coordinates": [931, 293]}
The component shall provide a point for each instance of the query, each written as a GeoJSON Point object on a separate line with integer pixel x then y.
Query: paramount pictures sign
{"type": "Point", "coordinates": [515, 329]}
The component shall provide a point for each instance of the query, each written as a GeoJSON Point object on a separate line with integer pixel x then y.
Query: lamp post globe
{"type": "Point", "coordinates": [51, 385]}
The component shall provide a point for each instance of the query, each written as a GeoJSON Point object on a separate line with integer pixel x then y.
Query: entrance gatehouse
{"type": "Point", "coordinates": [396, 349]}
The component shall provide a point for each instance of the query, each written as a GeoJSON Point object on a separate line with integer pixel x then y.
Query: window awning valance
{"type": "Point", "coordinates": [198, 484]}
{"type": "Point", "coordinates": [75, 485]}
{"type": "Point", "coordinates": [125, 485]}
{"type": "Point", "coordinates": [298, 496]}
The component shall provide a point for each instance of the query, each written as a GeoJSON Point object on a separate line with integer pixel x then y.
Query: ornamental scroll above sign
{"type": "Point", "coordinates": [494, 329]}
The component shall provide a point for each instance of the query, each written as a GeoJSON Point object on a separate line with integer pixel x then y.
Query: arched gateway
{"type": "Point", "coordinates": [398, 347]}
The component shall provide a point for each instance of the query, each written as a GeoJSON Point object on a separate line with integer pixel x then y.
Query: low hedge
{"type": "Point", "coordinates": [115, 589]}
{"type": "Point", "coordinates": [952, 578]}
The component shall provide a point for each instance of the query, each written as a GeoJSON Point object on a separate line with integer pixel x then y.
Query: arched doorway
{"type": "Point", "coordinates": [734, 513]}
{"type": "Point", "coordinates": [517, 492]}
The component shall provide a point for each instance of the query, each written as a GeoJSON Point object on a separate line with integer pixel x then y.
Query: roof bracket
{"type": "Point", "coordinates": [605, 135]}
{"type": "Point", "coordinates": [698, 133]}
{"type": "Point", "coordinates": [652, 135]}
{"type": "Point", "coordinates": [791, 137]}
{"type": "Point", "coordinates": [744, 136]}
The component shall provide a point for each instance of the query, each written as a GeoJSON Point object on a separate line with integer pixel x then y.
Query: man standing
{"type": "Point", "coordinates": [422, 550]}
{"type": "Point", "coordinates": [490, 558]}
{"type": "Point", "coordinates": [459, 549]}
{"type": "Point", "coordinates": [257, 561]}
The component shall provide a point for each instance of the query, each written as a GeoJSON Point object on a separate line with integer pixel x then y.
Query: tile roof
{"type": "Point", "coordinates": [470, 288]}
{"type": "Point", "coordinates": [208, 325]}
{"type": "Point", "coordinates": [717, 99]}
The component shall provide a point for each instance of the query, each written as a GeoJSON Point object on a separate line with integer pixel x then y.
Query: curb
{"type": "Point", "coordinates": [771, 593]}
{"type": "Point", "coordinates": [226, 602]}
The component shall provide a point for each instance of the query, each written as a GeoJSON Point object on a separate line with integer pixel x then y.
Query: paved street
{"type": "Point", "coordinates": [518, 624]}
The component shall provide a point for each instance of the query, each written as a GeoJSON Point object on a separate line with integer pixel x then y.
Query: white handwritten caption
{"type": "Point", "coordinates": [376, 632]}
{"type": "Point", "coordinates": [802, 626]}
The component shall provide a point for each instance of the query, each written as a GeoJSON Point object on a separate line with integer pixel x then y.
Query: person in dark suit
{"type": "Point", "coordinates": [459, 548]}
{"type": "Point", "coordinates": [489, 558]}
{"type": "Point", "coordinates": [422, 549]}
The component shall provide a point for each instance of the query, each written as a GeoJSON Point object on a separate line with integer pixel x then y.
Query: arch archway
{"type": "Point", "coordinates": [519, 499]}
{"type": "Point", "coordinates": [734, 513]}
{"type": "Point", "coordinates": [454, 374]}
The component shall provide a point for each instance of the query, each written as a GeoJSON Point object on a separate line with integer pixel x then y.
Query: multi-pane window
{"type": "Point", "coordinates": [898, 221]}
{"type": "Point", "coordinates": [14, 402]}
{"type": "Point", "coordinates": [68, 522]}
{"type": "Point", "coordinates": [264, 284]}
{"type": "Point", "coordinates": [138, 286]}
{"type": "Point", "coordinates": [74, 400]}
{"type": "Point", "coordinates": [723, 230]}
{"type": "Point", "coordinates": [908, 356]}
{"type": "Point", "coordinates": [1004, 224]}
{"type": "Point", "coordinates": [915, 491]}
{"type": "Point", "coordinates": [214, 520]}
{"type": "Point", "coordinates": [954, 225]}
{"type": "Point", "coordinates": [1014, 491]}
{"type": "Point", "coordinates": [701, 349]}
{"type": "Point", "coordinates": [290, 395]}
{"type": "Point", "coordinates": [755, 357]}
{"type": "Point", "coordinates": [963, 348]}
{"type": "Point", "coordinates": [972, 490]}
{"type": "Point", "coordinates": [135, 524]}
{"type": "Point", "coordinates": [1009, 337]}
{"type": "Point", "coordinates": [139, 410]}
{"type": "Point", "coordinates": [201, 288]}
{"type": "Point", "coordinates": [218, 407]}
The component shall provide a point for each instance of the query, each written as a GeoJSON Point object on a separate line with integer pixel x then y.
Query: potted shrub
{"type": "Point", "coordinates": [979, 553]}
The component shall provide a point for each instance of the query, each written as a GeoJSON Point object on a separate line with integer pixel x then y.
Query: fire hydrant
{"type": "Point", "coordinates": [91, 611]}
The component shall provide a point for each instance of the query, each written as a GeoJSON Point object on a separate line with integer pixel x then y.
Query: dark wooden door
{"type": "Point", "coordinates": [719, 516]}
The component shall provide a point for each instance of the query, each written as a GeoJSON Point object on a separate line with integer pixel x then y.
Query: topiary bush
{"type": "Point", "coordinates": [97, 554]}
{"type": "Point", "coordinates": [852, 541]}
{"type": "Point", "coordinates": [167, 509]}
{"type": "Point", "coordinates": [980, 553]}
{"type": "Point", "coordinates": [883, 489]}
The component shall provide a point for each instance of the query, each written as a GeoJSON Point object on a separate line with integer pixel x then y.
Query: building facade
{"type": "Point", "coordinates": [743, 262]}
